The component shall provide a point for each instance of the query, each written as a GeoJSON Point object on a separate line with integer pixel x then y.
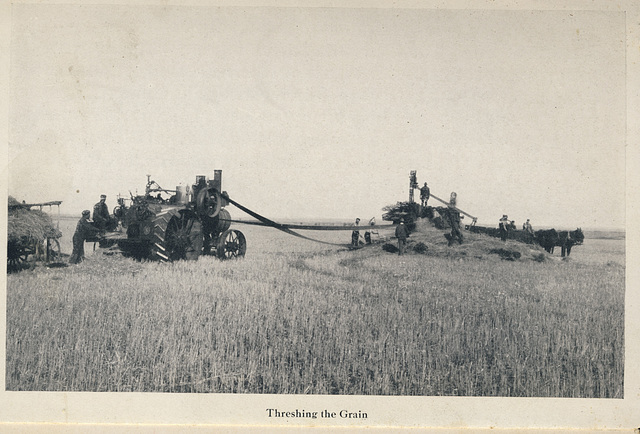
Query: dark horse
{"type": "Point", "coordinates": [548, 239]}
{"type": "Point", "coordinates": [568, 239]}
{"type": "Point", "coordinates": [551, 238]}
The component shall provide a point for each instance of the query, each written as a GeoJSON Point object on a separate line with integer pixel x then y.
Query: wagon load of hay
{"type": "Point", "coordinates": [25, 223]}
{"type": "Point", "coordinates": [29, 232]}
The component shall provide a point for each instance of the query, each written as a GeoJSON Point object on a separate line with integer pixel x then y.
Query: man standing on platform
{"type": "Point", "coordinates": [425, 193]}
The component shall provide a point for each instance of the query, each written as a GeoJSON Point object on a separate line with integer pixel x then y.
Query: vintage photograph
{"type": "Point", "coordinates": [298, 202]}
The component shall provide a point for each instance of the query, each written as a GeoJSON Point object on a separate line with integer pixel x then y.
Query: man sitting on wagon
{"type": "Point", "coordinates": [101, 217]}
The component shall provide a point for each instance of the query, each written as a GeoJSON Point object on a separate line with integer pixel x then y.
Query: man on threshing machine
{"type": "Point", "coordinates": [425, 193]}
{"type": "Point", "coordinates": [101, 217]}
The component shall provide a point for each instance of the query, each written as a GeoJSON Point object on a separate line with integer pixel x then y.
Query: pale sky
{"type": "Point", "coordinates": [317, 113]}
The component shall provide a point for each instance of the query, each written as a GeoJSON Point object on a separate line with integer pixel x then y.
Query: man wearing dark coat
{"type": "Point", "coordinates": [101, 215]}
{"type": "Point", "coordinates": [401, 234]}
{"type": "Point", "coordinates": [503, 225]}
{"type": "Point", "coordinates": [355, 236]}
{"type": "Point", "coordinates": [425, 193]}
{"type": "Point", "coordinates": [454, 221]}
{"type": "Point", "coordinates": [84, 230]}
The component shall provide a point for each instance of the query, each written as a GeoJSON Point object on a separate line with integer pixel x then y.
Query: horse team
{"type": "Point", "coordinates": [549, 239]}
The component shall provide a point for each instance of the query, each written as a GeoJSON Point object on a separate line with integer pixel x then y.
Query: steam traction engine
{"type": "Point", "coordinates": [184, 223]}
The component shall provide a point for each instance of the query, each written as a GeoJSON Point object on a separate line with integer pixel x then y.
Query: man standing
{"type": "Point", "coordinates": [503, 225]}
{"type": "Point", "coordinates": [454, 221]}
{"type": "Point", "coordinates": [527, 227]}
{"type": "Point", "coordinates": [355, 236]}
{"type": "Point", "coordinates": [84, 230]}
{"type": "Point", "coordinates": [528, 230]}
{"type": "Point", "coordinates": [101, 215]}
{"type": "Point", "coordinates": [425, 193]}
{"type": "Point", "coordinates": [401, 234]}
{"type": "Point", "coordinates": [367, 234]}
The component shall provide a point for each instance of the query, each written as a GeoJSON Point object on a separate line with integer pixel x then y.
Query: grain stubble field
{"type": "Point", "coordinates": [295, 317]}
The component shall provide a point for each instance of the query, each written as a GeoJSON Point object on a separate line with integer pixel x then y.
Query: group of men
{"type": "Point", "coordinates": [87, 228]}
{"type": "Point", "coordinates": [355, 235]}
{"type": "Point", "coordinates": [505, 225]}
{"type": "Point", "coordinates": [402, 232]}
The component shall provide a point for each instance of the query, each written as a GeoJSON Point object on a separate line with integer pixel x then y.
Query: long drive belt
{"type": "Point", "coordinates": [288, 228]}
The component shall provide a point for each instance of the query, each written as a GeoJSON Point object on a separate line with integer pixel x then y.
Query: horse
{"type": "Point", "coordinates": [568, 239]}
{"type": "Point", "coordinates": [548, 239]}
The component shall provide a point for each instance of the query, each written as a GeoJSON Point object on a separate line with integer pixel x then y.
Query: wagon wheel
{"type": "Point", "coordinates": [231, 244]}
{"type": "Point", "coordinates": [53, 250]}
{"type": "Point", "coordinates": [16, 255]}
{"type": "Point", "coordinates": [176, 235]}
{"type": "Point", "coordinates": [208, 202]}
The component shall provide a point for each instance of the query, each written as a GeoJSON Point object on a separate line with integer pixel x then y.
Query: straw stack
{"type": "Point", "coordinates": [23, 222]}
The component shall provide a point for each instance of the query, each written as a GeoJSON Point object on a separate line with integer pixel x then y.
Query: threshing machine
{"type": "Point", "coordinates": [184, 223]}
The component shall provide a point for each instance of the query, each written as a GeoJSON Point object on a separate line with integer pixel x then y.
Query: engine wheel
{"type": "Point", "coordinates": [208, 202]}
{"type": "Point", "coordinates": [176, 235]}
{"type": "Point", "coordinates": [231, 244]}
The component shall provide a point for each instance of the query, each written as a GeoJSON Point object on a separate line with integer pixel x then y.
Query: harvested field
{"type": "Point", "coordinates": [304, 318]}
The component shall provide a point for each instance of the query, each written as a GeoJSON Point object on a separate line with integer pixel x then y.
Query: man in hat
{"type": "Point", "coordinates": [101, 215]}
{"type": "Point", "coordinates": [454, 221]}
{"type": "Point", "coordinates": [84, 230]}
{"type": "Point", "coordinates": [355, 235]}
{"type": "Point", "coordinates": [503, 225]}
{"type": "Point", "coordinates": [402, 233]}
{"type": "Point", "coordinates": [367, 234]}
{"type": "Point", "coordinates": [425, 194]}
{"type": "Point", "coordinates": [527, 227]}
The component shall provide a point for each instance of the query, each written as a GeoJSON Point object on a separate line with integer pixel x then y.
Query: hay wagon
{"type": "Point", "coordinates": [31, 234]}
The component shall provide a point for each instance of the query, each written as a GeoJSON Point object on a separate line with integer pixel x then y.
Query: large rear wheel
{"type": "Point", "coordinates": [176, 235]}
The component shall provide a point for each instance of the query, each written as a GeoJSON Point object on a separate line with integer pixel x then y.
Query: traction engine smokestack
{"type": "Point", "coordinates": [217, 180]}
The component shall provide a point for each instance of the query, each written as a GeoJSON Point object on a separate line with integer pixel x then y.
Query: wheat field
{"type": "Point", "coordinates": [295, 317]}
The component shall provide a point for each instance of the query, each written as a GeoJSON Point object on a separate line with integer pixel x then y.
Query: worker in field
{"type": "Point", "coordinates": [425, 194]}
{"type": "Point", "coordinates": [355, 235]}
{"type": "Point", "coordinates": [101, 216]}
{"type": "Point", "coordinates": [84, 230]}
{"type": "Point", "coordinates": [402, 233]}
{"type": "Point", "coordinates": [367, 234]}
{"type": "Point", "coordinates": [527, 227]}
{"type": "Point", "coordinates": [454, 221]}
{"type": "Point", "coordinates": [503, 226]}
{"type": "Point", "coordinates": [528, 232]}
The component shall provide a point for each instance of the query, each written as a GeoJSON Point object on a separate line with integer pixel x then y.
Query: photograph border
{"type": "Point", "coordinates": [126, 411]}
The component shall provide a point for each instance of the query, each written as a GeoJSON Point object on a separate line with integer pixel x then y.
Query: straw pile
{"type": "Point", "coordinates": [25, 223]}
